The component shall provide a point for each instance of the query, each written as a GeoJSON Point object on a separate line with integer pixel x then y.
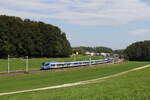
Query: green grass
{"type": "Point", "coordinates": [35, 63]}
{"type": "Point", "coordinates": [131, 86]}
{"type": "Point", "coordinates": [37, 80]}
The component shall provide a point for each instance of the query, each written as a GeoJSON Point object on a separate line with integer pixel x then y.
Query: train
{"type": "Point", "coordinates": [56, 65]}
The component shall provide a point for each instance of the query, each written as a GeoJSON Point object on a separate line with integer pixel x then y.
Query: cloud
{"type": "Point", "coordinates": [82, 12]}
{"type": "Point", "coordinates": [140, 32]}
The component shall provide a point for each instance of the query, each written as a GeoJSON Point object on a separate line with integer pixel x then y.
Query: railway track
{"type": "Point", "coordinates": [18, 72]}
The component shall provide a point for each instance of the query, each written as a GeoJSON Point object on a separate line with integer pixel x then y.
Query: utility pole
{"type": "Point", "coordinates": [90, 60]}
{"type": "Point", "coordinates": [8, 67]}
{"type": "Point", "coordinates": [74, 57]}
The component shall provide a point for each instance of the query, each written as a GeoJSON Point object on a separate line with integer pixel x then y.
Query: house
{"type": "Point", "coordinates": [90, 53]}
{"type": "Point", "coordinates": [105, 54]}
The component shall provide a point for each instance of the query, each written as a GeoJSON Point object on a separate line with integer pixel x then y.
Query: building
{"type": "Point", "coordinates": [105, 54]}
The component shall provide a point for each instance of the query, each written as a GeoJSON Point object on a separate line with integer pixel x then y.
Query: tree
{"type": "Point", "coordinates": [103, 49]}
{"type": "Point", "coordinates": [82, 49]}
{"type": "Point", "coordinates": [36, 39]}
{"type": "Point", "coordinates": [139, 51]}
{"type": "Point", "coordinates": [79, 50]}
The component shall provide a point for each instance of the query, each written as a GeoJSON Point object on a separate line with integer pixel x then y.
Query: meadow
{"type": "Point", "coordinates": [131, 86]}
{"type": "Point", "coordinates": [51, 78]}
{"type": "Point", "coordinates": [35, 63]}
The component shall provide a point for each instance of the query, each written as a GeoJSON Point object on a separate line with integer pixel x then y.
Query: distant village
{"type": "Point", "coordinates": [99, 54]}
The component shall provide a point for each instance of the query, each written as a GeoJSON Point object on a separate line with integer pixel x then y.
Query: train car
{"type": "Point", "coordinates": [53, 65]}
{"type": "Point", "coordinates": [48, 65]}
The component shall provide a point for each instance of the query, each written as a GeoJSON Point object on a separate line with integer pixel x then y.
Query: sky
{"type": "Point", "coordinates": [111, 23]}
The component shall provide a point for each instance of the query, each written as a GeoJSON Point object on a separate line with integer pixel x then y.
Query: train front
{"type": "Point", "coordinates": [45, 65]}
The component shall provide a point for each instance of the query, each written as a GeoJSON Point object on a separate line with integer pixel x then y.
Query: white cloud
{"type": "Point", "coordinates": [83, 12]}
{"type": "Point", "coordinates": [140, 32]}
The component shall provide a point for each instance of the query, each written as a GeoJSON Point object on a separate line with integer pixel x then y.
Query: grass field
{"type": "Point", "coordinates": [35, 63]}
{"type": "Point", "coordinates": [37, 80]}
{"type": "Point", "coordinates": [131, 86]}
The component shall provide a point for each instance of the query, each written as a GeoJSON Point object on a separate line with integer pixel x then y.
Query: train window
{"type": "Point", "coordinates": [60, 64]}
{"type": "Point", "coordinates": [52, 64]}
{"type": "Point", "coordinates": [68, 64]}
{"type": "Point", "coordinates": [80, 62]}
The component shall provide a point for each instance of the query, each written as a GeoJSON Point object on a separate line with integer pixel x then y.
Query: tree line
{"type": "Point", "coordinates": [138, 51]}
{"type": "Point", "coordinates": [82, 49]}
{"type": "Point", "coordinates": [20, 37]}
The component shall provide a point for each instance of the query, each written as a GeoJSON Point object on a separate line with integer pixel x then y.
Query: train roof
{"type": "Point", "coordinates": [54, 62]}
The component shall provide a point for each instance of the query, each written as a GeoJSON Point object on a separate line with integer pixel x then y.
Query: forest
{"type": "Point", "coordinates": [23, 37]}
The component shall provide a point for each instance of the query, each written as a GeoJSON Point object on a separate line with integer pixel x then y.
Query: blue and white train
{"type": "Point", "coordinates": [53, 65]}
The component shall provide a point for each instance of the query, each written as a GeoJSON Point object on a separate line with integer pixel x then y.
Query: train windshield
{"type": "Point", "coordinates": [46, 64]}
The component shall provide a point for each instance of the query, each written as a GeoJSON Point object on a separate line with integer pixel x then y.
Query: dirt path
{"type": "Point", "coordinates": [77, 83]}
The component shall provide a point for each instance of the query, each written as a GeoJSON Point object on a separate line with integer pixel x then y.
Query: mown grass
{"type": "Point", "coordinates": [38, 80]}
{"type": "Point", "coordinates": [131, 86]}
{"type": "Point", "coordinates": [35, 63]}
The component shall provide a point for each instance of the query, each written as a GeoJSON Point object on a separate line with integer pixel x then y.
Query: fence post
{"type": "Point", "coordinates": [27, 64]}
{"type": "Point", "coordinates": [8, 67]}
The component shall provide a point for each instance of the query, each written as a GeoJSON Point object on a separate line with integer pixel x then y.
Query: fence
{"type": "Point", "coordinates": [12, 64]}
